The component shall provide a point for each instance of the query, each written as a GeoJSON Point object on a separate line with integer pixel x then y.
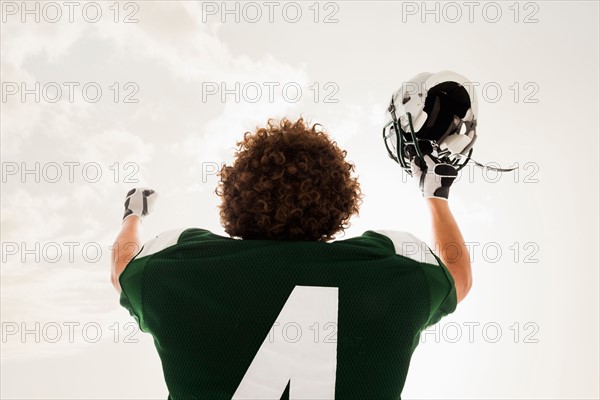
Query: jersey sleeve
{"type": "Point", "coordinates": [442, 290]}
{"type": "Point", "coordinates": [132, 277]}
{"type": "Point", "coordinates": [131, 280]}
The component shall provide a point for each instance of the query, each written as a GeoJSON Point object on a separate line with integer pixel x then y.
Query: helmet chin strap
{"type": "Point", "coordinates": [488, 167]}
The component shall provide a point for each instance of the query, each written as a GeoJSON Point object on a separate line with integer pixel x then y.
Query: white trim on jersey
{"type": "Point", "coordinates": [160, 242]}
{"type": "Point", "coordinates": [407, 245]}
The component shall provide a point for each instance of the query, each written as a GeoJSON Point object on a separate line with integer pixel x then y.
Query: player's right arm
{"type": "Point", "coordinates": [434, 181]}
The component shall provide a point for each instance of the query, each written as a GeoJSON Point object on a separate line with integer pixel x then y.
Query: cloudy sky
{"type": "Point", "coordinates": [103, 97]}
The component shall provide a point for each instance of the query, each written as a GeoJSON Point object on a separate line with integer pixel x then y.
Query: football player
{"type": "Point", "coordinates": [278, 309]}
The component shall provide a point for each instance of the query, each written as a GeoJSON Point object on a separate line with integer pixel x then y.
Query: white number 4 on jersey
{"type": "Point", "coordinates": [292, 352]}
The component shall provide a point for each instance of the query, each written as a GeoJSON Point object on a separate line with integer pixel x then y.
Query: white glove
{"type": "Point", "coordinates": [433, 179]}
{"type": "Point", "coordinates": [140, 202]}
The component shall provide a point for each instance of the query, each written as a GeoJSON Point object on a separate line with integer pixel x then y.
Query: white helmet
{"type": "Point", "coordinates": [433, 114]}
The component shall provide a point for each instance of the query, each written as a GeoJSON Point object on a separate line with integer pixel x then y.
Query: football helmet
{"type": "Point", "coordinates": [433, 114]}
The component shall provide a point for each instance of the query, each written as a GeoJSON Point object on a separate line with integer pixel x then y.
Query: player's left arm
{"type": "Point", "coordinates": [139, 202]}
{"type": "Point", "coordinates": [126, 246]}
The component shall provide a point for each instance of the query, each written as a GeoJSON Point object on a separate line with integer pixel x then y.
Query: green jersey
{"type": "Point", "coordinates": [265, 319]}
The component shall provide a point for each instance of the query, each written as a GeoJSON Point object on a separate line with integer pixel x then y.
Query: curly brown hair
{"type": "Point", "coordinates": [288, 182]}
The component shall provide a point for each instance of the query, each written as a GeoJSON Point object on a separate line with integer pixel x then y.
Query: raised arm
{"type": "Point", "coordinates": [139, 202]}
{"type": "Point", "coordinates": [126, 246]}
{"type": "Point", "coordinates": [452, 250]}
{"type": "Point", "coordinates": [435, 181]}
